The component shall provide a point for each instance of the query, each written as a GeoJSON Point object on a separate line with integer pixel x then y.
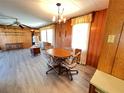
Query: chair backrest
{"type": "Point", "coordinates": [48, 57]}
{"type": "Point", "coordinates": [77, 50]}
{"type": "Point", "coordinates": [75, 57]}
{"type": "Point", "coordinates": [79, 56]}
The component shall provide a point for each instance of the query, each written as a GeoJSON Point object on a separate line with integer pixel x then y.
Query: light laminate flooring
{"type": "Point", "coordinates": [22, 73]}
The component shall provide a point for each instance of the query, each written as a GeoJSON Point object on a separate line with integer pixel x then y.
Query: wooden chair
{"type": "Point", "coordinates": [70, 64]}
{"type": "Point", "coordinates": [79, 56]}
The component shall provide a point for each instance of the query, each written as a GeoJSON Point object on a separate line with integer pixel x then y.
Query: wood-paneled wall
{"type": "Point", "coordinates": [96, 37]}
{"type": "Point", "coordinates": [115, 19]}
{"type": "Point", "coordinates": [118, 67]}
{"type": "Point", "coordinates": [63, 34]}
{"type": "Point", "coordinates": [15, 35]}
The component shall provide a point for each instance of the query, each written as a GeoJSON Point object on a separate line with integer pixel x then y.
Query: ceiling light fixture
{"type": "Point", "coordinates": [59, 18]}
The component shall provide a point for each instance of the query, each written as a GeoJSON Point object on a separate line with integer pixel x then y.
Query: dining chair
{"type": "Point", "coordinates": [52, 63]}
{"type": "Point", "coordinates": [79, 56]}
{"type": "Point", "coordinates": [70, 65]}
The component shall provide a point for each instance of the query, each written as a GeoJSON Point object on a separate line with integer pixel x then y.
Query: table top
{"type": "Point", "coordinates": [107, 83]}
{"type": "Point", "coordinates": [59, 52]}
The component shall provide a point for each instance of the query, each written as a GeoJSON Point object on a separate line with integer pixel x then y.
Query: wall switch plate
{"type": "Point", "coordinates": [111, 38]}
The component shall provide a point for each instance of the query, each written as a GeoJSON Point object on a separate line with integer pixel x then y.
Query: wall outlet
{"type": "Point", "coordinates": [111, 38]}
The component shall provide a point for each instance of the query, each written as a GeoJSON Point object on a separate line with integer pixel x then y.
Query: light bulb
{"type": "Point", "coordinates": [64, 20]}
{"type": "Point", "coordinates": [54, 19]}
{"type": "Point", "coordinates": [59, 20]}
{"type": "Point", "coordinates": [61, 17]}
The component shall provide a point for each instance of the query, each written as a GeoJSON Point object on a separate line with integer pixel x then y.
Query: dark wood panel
{"type": "Point", "coordinates": [96, 37]}
{"type": "Point", "coordinates": [63, 34]}
{"type": "Point", "coordinates": [58, 35]}
{"type": "Point", "coordinates": [68, 34]}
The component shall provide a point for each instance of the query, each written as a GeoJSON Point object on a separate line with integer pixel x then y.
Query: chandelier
{"type": "Point", "coordinates": [59, 18]}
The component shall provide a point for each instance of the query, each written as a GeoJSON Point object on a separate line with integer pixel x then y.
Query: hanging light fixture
{"type": "Point", "coordinates": [59, 18]}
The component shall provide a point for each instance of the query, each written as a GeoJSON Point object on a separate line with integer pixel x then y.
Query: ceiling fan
{"type": "Point", "coordinates": [15, 23]}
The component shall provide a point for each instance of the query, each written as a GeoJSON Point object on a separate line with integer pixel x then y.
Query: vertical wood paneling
{"type": "Point", "coordinates": [63, 34]}
{"type": "Point", "coordinates": [68, 34]}
{"type": "Point", "coordinates": [58, 35]}
{"type": "Point", "coordinates": [115, 18]}
{"type": "Point", "coordinates": [96, 38]}
{"type": "Point", "coordinates": [118, 68]}
{"type": "Point", "coordinates": [15, 35]}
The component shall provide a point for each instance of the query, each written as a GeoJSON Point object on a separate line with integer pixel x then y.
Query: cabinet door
{"type": "Point", "coordinates": [118, 68]}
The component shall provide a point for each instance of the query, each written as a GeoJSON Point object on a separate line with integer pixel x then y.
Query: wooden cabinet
{"type": "Point", "coordinates": [92, 89]}
{"type": "Point", "coordinates": [35, 51]}
{"type": "Point", "coordinates": [11, 46]}
{"type": "Point", "coordinates": [118, 68]}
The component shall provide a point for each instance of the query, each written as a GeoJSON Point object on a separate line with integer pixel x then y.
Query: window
{"type": "Point", "coordinates": [50, 35]}
{"type": "Point", "coordinates": [47, 36]}
{"type": "Point", "coordinates": [43, 36]}
{"type": "Point", "coordinates": [80, 36]}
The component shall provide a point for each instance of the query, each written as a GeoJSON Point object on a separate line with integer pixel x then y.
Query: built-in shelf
{"type": "Point", "coordinates": [11, 46]}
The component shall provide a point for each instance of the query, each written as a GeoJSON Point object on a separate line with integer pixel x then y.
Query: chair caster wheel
{"type": "Point", "coordinates": [71, 79]}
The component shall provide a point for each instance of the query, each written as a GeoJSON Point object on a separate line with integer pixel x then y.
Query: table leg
{"type": "Point", "coordinates": [59, 69]}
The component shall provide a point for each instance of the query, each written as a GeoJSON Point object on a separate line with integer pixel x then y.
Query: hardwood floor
{"type": "Point", "coordinates": [21, 73]}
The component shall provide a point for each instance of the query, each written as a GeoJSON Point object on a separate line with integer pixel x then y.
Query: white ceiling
{"type": "Point", "coordinates": [37, 13]}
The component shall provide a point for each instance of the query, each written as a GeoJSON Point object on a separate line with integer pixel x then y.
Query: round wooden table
{"type": "Point", "coordinates": [60, 54]}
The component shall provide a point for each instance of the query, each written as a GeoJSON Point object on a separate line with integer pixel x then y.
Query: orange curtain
{"type": "Point", "coordinates": [82, 19]}
{"type": "Point", "coordinates": [47, 27]}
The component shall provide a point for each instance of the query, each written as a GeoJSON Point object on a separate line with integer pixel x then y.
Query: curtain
{"type": "Point", "coordinates": [50, 36]}
{"type": "Point", "coordinates": [82, 19]}
{"type": "Point", "coordinates": [43, 36]}
{"type": "Point", "coordinates": [80, 34]}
